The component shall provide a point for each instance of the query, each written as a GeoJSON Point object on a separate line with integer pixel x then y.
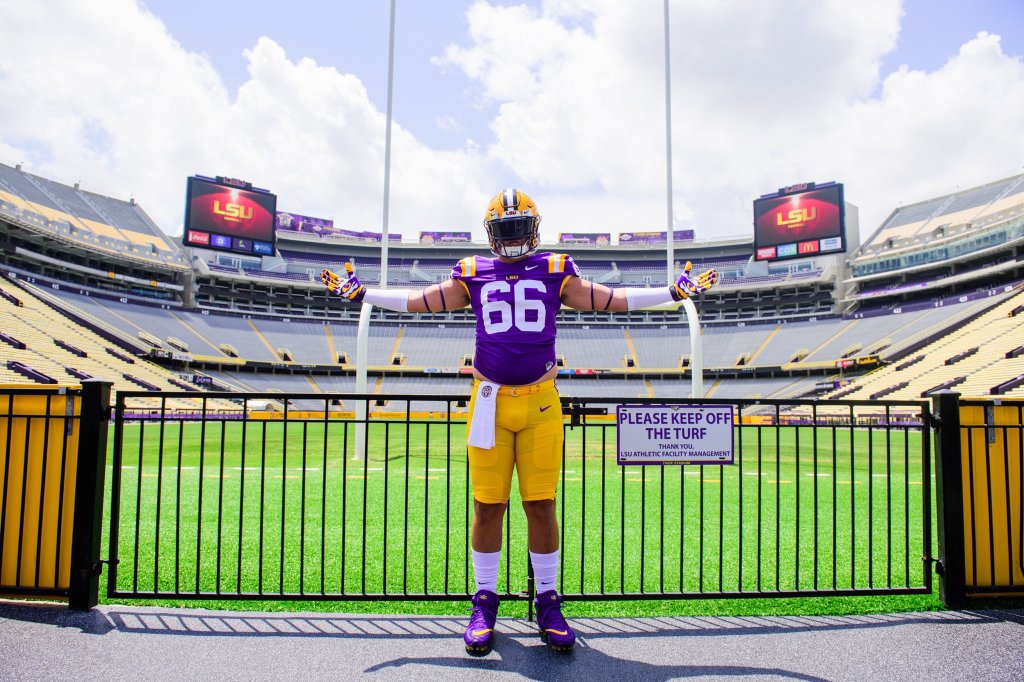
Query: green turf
{"type": "Point", "coordinates": [794, 513]}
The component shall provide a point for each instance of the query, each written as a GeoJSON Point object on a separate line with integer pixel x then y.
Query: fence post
{"type": "Point", "coordinates": [949, 498]}
{"type": "Point", "coordinates": [89, 482]}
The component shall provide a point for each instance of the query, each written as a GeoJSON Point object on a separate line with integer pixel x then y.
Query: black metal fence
{"type": "Point", "coordinates": [823, 499]}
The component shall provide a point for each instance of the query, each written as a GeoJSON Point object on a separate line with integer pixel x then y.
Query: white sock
{"type": "Point", "coordinates": [485, 569]}
{"type": "Point", "coordinates": [545, 570]}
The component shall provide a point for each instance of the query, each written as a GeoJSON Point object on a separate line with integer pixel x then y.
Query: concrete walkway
{"type": "Point", "coordinates": [46, 642]}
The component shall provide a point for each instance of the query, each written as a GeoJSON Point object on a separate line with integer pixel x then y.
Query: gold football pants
{"type": "Point", "coordinates": [528, 437]}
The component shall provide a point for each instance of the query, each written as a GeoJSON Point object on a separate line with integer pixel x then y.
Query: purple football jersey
{"type": "Point", "coordinates": [515, 305]}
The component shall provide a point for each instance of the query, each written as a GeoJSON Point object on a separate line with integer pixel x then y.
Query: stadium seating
{"type": "Point", "coordinates": [777, 319]}
{"type": "Point", "coordinates": [55, 345]}
{"type": "Point", "coordinates": [975, 351]}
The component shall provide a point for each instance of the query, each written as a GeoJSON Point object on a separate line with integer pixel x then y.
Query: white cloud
{"type": "Point", "coordinates": [765, 94]}
{"type": "Point", "coordinates": [101, 92]}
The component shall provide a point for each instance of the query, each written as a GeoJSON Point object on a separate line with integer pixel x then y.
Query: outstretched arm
{"type": "Point", "coordinates": [436, 298]}
{"type": "Point", "coordinates": [583, 295]}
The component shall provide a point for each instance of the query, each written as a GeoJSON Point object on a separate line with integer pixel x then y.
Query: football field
{"type": "Point", "coordinates": [264, 509]}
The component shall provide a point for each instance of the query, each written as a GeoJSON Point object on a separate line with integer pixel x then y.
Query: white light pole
{"type": "Point", "coordinates": [670, 256]}
{"type": "Point", "coordinates": [696, 352]}
{"type": "Point", "coordinates": [363, 333]}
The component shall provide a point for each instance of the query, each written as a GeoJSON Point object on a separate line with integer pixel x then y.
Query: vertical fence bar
{"type": "Point", "coordinates": [42, 488]}
{"type": "Point", "coordinates": [871, 503]}
{"type": "Point", "coordinates": [949, 498]}
{"type": "Point", "coordinates": [89, 484]}
{"type": "Point", "coordinates": [323, 498]}
{"type": "Point", "coordinates": [220, 503]}
{"type": "Point", "coordinates": [853, 501]}
{"type": "Point", "coordinates": [302, 508]}
{"type": "Point", "coordinates": [989, 510]}
{"type": "Point", "coordinates": [177, 508]}
{"type": "Point", "coordinates": [115, 498]}
{"type": "Point", "coordinates": [69, 421]}
{"type": "Point", "coordinates": [7, 469]}
{"type": "Point", "coordinates": [739, 484]}
{"type": "Point", "coordinates": [241, 491]}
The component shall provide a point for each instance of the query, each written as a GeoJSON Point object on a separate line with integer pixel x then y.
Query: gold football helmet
{"type": "Point", "coordinates": [512, 223]}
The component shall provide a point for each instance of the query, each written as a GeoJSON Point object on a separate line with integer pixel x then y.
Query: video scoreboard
{"type": "Point", "coordinates": [229, 215]}
{"type": "Point", "coordinates": [799, 221]}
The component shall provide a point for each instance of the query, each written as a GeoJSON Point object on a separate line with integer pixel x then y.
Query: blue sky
{"type": "Point", "coordinates": [901, 101]}
{"type": "Point", "coordinates": [353, 36]}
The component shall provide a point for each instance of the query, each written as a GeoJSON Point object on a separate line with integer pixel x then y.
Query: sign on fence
{"type": "Point", "coordinates": [675, 434]}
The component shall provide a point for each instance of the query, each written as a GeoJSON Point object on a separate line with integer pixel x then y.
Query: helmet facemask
{"type": "Point", "coordinates": [523, 230]}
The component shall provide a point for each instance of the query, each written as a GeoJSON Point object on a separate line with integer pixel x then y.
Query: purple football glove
{"type": "Point", "coordinates": [686, 287]}
{"type": "Point", "coordinates": [350, 288]}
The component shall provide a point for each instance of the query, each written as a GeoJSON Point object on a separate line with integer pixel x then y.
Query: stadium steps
{"type": "Point", "coordinates": [842, 333]}
{"type": "Point", "coordinates": [394, 351]}
{"type": "Point", "coordinates": [330, 342]}
{"type": "Point", "coordinates": [264, 340]}
{"type": "Point", "coordinates": [632, 350]}
{"type": "Point", "coordinates": [889, 391]}
{"type": "Point", "coordinates": [1008, 385]}
{"type": "Point", "coordinates": [184, 323]}
{"type": "Point", "coordinates": [764, 344]}
{"type": "Point", "coordinates": [10, 298]}
{"type": "Point", "coordinates": [30, 373]}
{"type": "Point", "coordinates": [912, 361]}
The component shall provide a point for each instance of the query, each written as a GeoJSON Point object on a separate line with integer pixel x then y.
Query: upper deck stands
{"type": "Point", "coordinates": [96, 221]}
{"type": "Point", "coordinates": [962, 208]}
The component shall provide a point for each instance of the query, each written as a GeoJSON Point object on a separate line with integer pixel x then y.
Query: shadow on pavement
{"type": "Point", "coordinates": [199, 622]}
{"type": "Point", "coordinates": [510, 655]}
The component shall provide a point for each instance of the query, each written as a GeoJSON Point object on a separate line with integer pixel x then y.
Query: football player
{"type": "Point", "coordinates": [515, 415]}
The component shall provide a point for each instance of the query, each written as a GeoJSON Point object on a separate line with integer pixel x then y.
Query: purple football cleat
{"type": "Point", "coordinates": [553, 628]}
{"type": "Point", "coordinates": [479, 635]}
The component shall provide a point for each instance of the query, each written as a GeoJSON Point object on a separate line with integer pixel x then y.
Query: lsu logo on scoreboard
{"type": "Point", "coordinates": [796, 217]}
{"type": "Point", "coordinates": [234, 213]}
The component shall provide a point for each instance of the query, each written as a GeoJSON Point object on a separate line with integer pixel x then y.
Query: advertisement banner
{"type": "Point", "coordinates": [445, 237]}
{"type": "Point", "coordinates": [598, 239]}
{"type": "Point", "coordinates": [654, 238]}
{"type": "Point", "coordinates": [296, 222]}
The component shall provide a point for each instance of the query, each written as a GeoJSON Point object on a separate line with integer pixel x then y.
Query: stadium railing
{"type": "Point", "coordinates": [825, 499]}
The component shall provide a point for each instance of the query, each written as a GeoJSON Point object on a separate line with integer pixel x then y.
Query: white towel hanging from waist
{"type": "Point", "coordinates": [481, 429]}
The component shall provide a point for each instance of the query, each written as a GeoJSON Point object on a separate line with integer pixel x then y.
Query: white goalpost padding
{"type": "Point", "coordinates": [362, 361]}
{"type": "Point", "coordinates": [696, 351]}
